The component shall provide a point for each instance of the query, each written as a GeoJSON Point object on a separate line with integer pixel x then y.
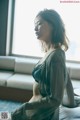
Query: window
{"type": "Point", "coordinates": [24, 39]}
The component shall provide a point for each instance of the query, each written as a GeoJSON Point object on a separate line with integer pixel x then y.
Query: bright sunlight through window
{"type": "Point", "coordinates": [24, 38]}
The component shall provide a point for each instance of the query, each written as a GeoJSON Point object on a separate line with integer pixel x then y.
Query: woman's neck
{"type": "Point", "coordinates": [46, 46]}
{"type": "Point", "coordinates": [47, 52]}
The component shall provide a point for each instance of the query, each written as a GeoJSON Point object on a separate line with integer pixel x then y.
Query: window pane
{"type": "Point", "coordinates": [24, 38]}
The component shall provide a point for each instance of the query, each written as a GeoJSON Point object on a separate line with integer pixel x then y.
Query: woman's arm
{"type": "Point", "coordinates": [68, 100]}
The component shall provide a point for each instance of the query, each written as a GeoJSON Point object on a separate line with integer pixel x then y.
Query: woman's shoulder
{"type": "Point", "coordinates": [56, 56]}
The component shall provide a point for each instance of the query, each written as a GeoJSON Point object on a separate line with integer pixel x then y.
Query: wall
{"type": "Point", "coordinates": [3, 25]}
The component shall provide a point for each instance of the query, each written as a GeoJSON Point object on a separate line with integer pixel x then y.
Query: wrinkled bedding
{"type": "Point", "coordinates": [66, 113]}
{"type": "Point", "coordinates": [69, 113]}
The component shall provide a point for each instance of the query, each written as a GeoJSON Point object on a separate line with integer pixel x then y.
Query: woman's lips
{"type": "Point", "coordinates": [37, 33]}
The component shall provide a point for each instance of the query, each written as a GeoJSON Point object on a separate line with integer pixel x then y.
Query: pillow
{"type": "Point", "coordinates": [75, 73]}
{"type": "Point", "coordinates": [7, 62]}
{"type": "Point", "coordinates": [74, 70]}
{"type": "Point", "coordinates": [23, 66]}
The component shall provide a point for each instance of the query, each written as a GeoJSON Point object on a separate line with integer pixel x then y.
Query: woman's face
{"type": "Point", "coordinates": [43, 29]}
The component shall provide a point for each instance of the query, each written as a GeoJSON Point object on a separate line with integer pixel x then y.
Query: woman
{"type": "Point", "coordinates": [52, 85]}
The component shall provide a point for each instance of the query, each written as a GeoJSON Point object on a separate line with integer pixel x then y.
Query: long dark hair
{"type": "Point", "coordinates": [59, 38]}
